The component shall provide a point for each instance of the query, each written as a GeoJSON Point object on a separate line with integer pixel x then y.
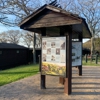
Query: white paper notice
{"type": "Point", "coordinates": [76, 53]}
{"type": "Point", "coordinates": [54, 49]}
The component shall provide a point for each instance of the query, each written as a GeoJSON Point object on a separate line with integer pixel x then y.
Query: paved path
{"type": "Point", "coordinates": [86, 87]}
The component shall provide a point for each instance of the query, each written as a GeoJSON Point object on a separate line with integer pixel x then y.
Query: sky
{"type": "Point", "coordinates": [85, 40]}
{"type": "Point", "coordinates": [7, 28]}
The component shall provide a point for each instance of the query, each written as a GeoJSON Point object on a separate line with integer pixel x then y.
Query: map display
{"type": "Point", "coordinates": [54, 56]}
{"type": "Point", "coordinates": [76, 53]}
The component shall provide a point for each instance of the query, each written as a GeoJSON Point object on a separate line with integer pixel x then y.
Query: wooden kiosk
{"type": "Point", "coordinates": [53, 22]}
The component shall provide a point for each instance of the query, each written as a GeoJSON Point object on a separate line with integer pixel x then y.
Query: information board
{"type": "Point", "coordinates": [54, 56]}
{"type": "Point", "coordinates": [76, 53]}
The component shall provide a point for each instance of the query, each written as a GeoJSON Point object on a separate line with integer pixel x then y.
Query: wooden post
{"type": "Point", "coordinates": [43, 77]}
{"type": "Point", "coordinates": [43, 80]}
{"type": "Point", "coordinates": [86, 58]}
{"type": "Point", "coordinates": [39, 63]}
{"type": "Point", "coordinates": [68, 83]}
{"type": "Point", "coordinates": [80, 70]}
{"type": "Point", "coordinates": [96, 59]}
{"type": "Point", "coordinates": [61, 79]}
{"type": "Point", "coordinates": [80, 67]}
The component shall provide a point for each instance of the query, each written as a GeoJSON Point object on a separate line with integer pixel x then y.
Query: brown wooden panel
{"type": "Point", "coordinates": [54, 15]}
{"type": "Point", "coordinates": [68, 78]}
{"type": "Point", "coordinates": [55, 23]}
{"type": "Point", "coordinates": [52, 20]}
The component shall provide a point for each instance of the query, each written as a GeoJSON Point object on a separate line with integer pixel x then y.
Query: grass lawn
{"type": "Point", "coordinates": [89, 63]}
{"type": "Point", "coordinates": [13, 74]}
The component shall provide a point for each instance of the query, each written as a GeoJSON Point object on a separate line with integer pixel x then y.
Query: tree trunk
{"type": "Point", "coordinates": [92, 45]}
{"type": "Point", "coordinates": [92, 41]}
{"type": "Point", "coordinates": [34, 53]}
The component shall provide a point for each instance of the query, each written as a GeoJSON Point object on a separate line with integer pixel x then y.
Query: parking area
{"type": "Point", "coordinates": [85, 87]}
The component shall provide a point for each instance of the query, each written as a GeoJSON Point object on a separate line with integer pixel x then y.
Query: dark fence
{"type": "Point", "coordinates": [91, 58]}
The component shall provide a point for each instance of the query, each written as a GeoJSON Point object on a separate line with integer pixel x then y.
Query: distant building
{"type": "Point", "coordinates": [12, 55]}
{"type": "Point", "coordinates": [37, 53]}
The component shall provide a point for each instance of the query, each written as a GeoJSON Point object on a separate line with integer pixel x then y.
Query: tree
{"type": "Point", "coordinates": [21, 8]}
{"type": "Point", "coordinates": [47, 1]}
{"type": "Point", "coordinates": [90, 9]}
{"type": "Point", "coordinates": [27, 39]}
{"type": "Point", "coordinates": [11, 36]}
{"type": "Point", "coordinates": [97, 43]}
{"type": "Point", "coordinates": [14, 36]}
{"type": "Point", "coordinates": [2, 6]}
{"type": "Point", "coordinates": [13, 11]}
{"type": "Point", "coordinates": [38, 41]}
{"type": "Point", "coordinates": [30, 37]}
{"type": "Point", "coordinates": [3, 37]}
{"type": "Point", "coordinates": [65, 4]}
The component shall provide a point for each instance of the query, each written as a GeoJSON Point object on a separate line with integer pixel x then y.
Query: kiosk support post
{"type": "Point", "coordinates": [43, 82]}
{"type": "Point", "coordinates": [68, 84]}
{"type": "Point", "coordinates": [80, 67]}
{"type": "Point", "coordinates": [43, 77]}
{"type": "Point", "coordinates": [39, 63]}
{"type": "Point", "coordinates": [61, 79]}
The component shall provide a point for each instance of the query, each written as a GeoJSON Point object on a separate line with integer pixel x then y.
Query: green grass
{"type": "Point", "coordinates": [89, 63]}
{"type": "Point", "coordinates": [14, 74]}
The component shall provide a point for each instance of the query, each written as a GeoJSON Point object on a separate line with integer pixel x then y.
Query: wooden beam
{"type": "Point", "coordinates": [43, 82]}
{"type": "Point", "coordinates": [43, 77]}
{"type": "Point", "coordinates": [68, 83]}
{"type": "Point", "coordinates": [61, 79]}
{"type": "Point", "coordinates": [51, 24]}
{"type": "Point", "coordinates": [80, 67]}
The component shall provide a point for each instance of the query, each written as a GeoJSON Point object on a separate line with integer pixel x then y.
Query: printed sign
{"type": "Point", "coordinates": [76, 53]}
{"type": "Point", "coordinates": [54, 56]}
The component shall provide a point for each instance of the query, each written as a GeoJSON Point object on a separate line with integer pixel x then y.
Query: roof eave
{"type": "Point", "coordinates": [49, 7]}
{"type": "Point", "coordinates": [32, 15]}
{"type": "Point", "coordinates": [84, 22]}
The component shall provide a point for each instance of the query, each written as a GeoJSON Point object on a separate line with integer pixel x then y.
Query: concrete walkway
{"type": "Point", "coordinates": [86, 87]}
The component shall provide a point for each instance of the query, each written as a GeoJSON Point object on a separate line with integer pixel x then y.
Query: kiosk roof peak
{"type": "Point", "coordinates": [51, 16]}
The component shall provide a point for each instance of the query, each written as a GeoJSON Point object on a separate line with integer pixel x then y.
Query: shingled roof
{"type": "Point", "coordinates": [11, 46]}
